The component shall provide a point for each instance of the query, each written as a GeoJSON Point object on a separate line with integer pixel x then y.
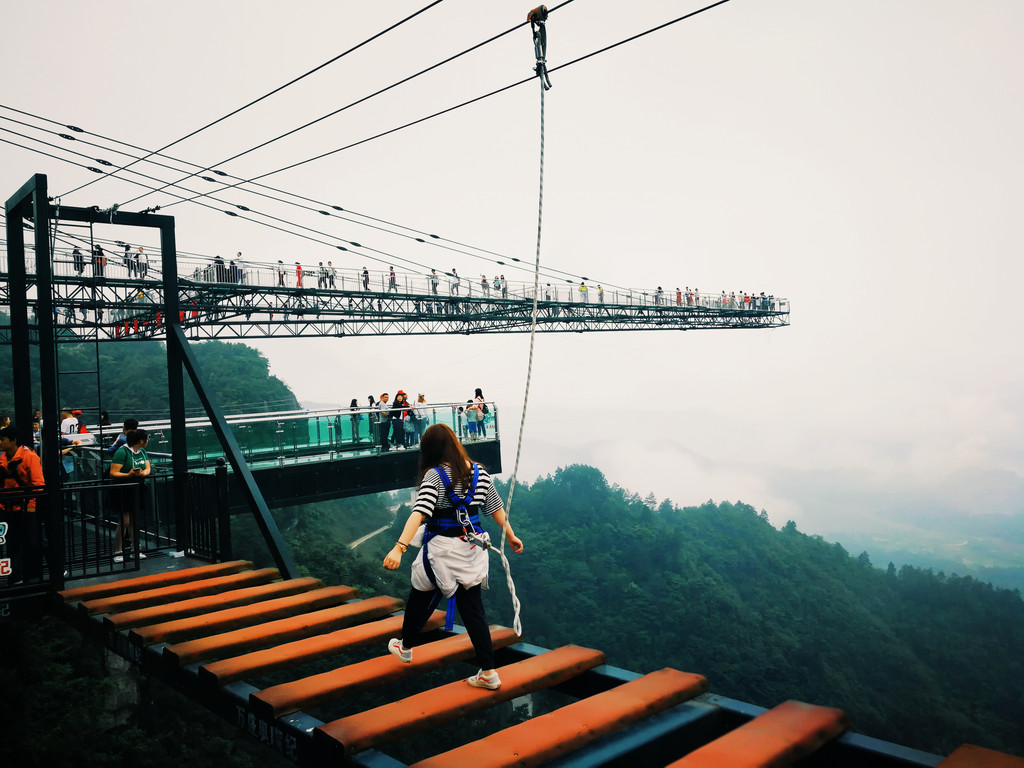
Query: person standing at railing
{"type": "Point", "coordinates": [433, 281]}
{"type": "Point", "coordinates": [280, 274]}
{"type": "Point", "coordinates": [399, 414]}
{"type": "Point", "coordinates": [22, 471]}
{"type": "Point", "coordinates": [481, 412]}
{"type": "Point", "coordinates": [130, 464]}
{"type": "Point", "coordinates": [129, 262]}
{"type": "Point", "coordinates": [600, 294]}
{"type": "Point", "coordinates": [354, 419]}
{"type": "Point", "coordinates": [383, 421]}
{"type": "Point", "coordinates": [679, 297]}
{"type": "Point", "coordinates": [504, 287]}
{"type": "Point", "coordinates": [129, 426]}
{"type": "Point", "coordinates": [392, 280]}
{"type": "Point", "coordinates": [422, 420]}
{"type": "Point", "coordinates": [366, 279]}
{"type": "Point", "coordinates": [332, 275]}
{"type": "Point", "coordinates": [79, 259]}
{"type": "Point", "coordinates": [99, 261]}
{"type": "Point", "coordinates": [455, 282]}
{"type": "Point", "coordinates": [583, 292]}
{"type": "Point", "coordinates": [298, 275]}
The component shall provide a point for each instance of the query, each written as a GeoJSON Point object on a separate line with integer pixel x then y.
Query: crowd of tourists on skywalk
{"type": "Point", "coordinates": [399, 424]}
{"type": "Point", "coordinates": [438, 291]}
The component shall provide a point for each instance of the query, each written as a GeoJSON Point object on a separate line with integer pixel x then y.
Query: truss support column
{"type": "Point", "coordinates": [258, 505]}
{"type": "Point", "coordinates": [31, 201]}
{"type": "Point", "coordinates": [175, 385]}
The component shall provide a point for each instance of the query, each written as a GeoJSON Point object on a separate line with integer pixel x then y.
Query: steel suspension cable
{"type": "Point", "coordinates": [435, 241]}
{"type": "Point", "coordinates": [332, 114]}
{"type": "Point", "coordinates": [271, 93]}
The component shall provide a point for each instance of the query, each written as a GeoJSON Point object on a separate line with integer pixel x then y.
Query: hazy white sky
{"type": "Point", "coordinates": [863, 159]}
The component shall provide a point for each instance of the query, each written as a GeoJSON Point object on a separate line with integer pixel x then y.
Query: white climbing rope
{"type": "Point", "coordinates": [537, 18]}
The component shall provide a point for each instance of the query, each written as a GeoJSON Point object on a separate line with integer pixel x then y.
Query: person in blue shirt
{"type": "Point", "coordinates": [130, 425]}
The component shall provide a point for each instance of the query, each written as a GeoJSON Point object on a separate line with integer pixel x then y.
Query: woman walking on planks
{"type": "Point", "coordinates": [453, 492]}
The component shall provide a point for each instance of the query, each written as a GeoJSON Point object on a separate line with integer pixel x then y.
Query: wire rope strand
{"type": "Point", "coordinates": [271, 93]}
{"type": "Point", "coordinates": [517, 624]}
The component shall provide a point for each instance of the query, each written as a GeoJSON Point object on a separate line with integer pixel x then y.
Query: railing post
{"type": "Point", "coordinates": [223, 512]}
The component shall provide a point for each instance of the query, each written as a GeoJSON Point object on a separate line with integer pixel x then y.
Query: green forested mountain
{"type": "Point", "coordinates": [132, 380]}
{"type": "Point", "coordinates": [915, 657]}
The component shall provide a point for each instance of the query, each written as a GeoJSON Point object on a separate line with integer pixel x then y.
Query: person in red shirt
{"type": "Point", "coordinates": [22, 472]}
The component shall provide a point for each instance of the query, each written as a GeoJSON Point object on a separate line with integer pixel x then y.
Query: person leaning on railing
{"type": "Point", "coordinates": [129, 464]}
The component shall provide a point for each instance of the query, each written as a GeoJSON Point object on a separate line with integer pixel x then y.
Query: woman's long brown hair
{"type": "Point", "coordinates": [439, 445]}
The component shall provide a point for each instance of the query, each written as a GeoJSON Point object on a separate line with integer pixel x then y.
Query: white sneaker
{"type": "Point", "coordinates": [118, 557]}
{"type": "Point", "coordinates": [491, 682]}
{"type": "Point", "coordinates": [141, 556]}
{"type": "Point", "coordinates": [397, 649]}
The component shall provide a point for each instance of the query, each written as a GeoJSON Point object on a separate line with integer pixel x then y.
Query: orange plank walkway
{"type": "Point", "coordinates": [152, 581]}
{"type": "Point", "coordinates": [282, 630]}
{"type": "Point", "coordinates": [779, 737]}
{"type": "Point", "coordinates": [300, 651]}
{"type": "Point", "coordinates": [435, 707]}
{"type": "Point", "coordinates": [243, 616]}
{"type": "Point", "coordinates": [565, 730]}
{"type": "Point", "coordinates": [970, 756]}
{"type": "Point", "coordinates": [198, 606]}
{"type": "Point", "coordinates": [174, 592]}
{"type": "Point", "coordinates": [314, 690]}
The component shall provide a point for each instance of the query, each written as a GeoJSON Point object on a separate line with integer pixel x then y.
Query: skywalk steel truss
{"type": "Point", "coordinates": [89, 308]}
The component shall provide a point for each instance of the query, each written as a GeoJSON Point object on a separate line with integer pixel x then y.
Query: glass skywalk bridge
{"type": "Point", "coordinates": [291, 437]}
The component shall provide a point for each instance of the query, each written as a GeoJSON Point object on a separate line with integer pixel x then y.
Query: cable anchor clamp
{"type": "Point", "coordinates": [537, 17]}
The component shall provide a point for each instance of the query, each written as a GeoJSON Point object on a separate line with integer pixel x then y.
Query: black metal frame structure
{"type": "Point", "coordinates": [31, 203]}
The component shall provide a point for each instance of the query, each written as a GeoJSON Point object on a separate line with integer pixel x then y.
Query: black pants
{"type": "Point", "coordinates": [24, 543]}
{"type": "Point", "coordinates": [471, 609]}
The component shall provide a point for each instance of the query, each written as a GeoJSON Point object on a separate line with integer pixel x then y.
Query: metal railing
{"type": "Point", "coordinates": [442, 285]}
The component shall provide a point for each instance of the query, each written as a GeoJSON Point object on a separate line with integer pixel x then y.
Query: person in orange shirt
{"type": "Point", "coordinates": [22, 472]}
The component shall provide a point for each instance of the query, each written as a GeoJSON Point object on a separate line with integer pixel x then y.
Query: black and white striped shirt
{"type": "Point", "coordinates": [432, 496]}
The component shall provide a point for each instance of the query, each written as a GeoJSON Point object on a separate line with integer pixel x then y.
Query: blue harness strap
{"type": "Point", "coordinates": [448, 526]}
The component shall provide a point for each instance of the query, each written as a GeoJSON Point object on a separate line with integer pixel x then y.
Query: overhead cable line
{"type": "Point", "coordinates": [335, 112]}
{"type": "Point", "coordinates": [435, 241]}
{"type": "Point", "coordinates": [468, 102]}
{"type": "Point", "coordinates": [393, 258]}
{"type": "Point", "coordinates": [270, 93]}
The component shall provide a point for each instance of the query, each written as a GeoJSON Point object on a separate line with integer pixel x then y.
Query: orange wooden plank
{"type": "Point", "coordinates": [970, 756]}
{"type": "Point", "coordinates": [225, 671]}
{"type": "Point", "coordinates": [122, 586]}
{"type": "Point", "coordinates": [176, 592]}
{"type": "Point", "coordinates": [430, 709]}
{"type": "Point", "coordinates": [329, 686]}
{"type": "Point", "coordinates": [779, 737]}
{"type": "Point", "coordinates": [242, 616]}
{"type": "Point", "coordinates": [199, 605]}
{"type": "Point", "coordinates": [565, 730]}
{"type": "Point", "coordinates": [292, 628]}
